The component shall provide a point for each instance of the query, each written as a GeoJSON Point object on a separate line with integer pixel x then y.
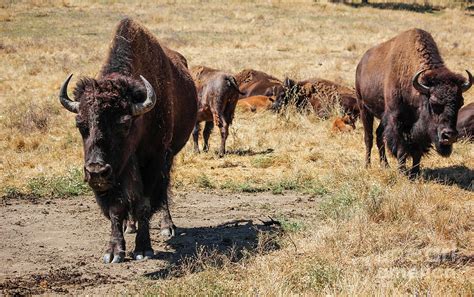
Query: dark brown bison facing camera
{"type": "Point", "coordinates": [132, 126]}
{"type": "Point", "coordinates": [405, 83]}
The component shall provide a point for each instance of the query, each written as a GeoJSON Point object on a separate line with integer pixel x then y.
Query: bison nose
{"type": "Point", "coordinates": [448, 136]}
{"type": "Point", "coordinates": [98, 171]}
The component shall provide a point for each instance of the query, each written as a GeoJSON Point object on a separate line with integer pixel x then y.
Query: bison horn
{"type": "Point", "coordinates": [147, 105]}
{"type": "Point", "coordinates": [419, 86]}
{"type": "Point", "coordinates": [466, 86]}
{"type": "Point", "coordinates": [70, 105]}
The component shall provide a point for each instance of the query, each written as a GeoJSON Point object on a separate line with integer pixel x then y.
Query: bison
{"type": "Point", "coordinates": [217, 96]}
{"type": "Point", "coordinates": [319, 94]}
{"type": "Point", "coordinates": [254, 83]}
{"type": "Point", "coordinates": [255, 103]}
{"type": "Point", "coordinates": [465, 124]}
{"type": "Point", "coordinates": [405, 83]}
{"type": "Point", "coordinates": [343, 124]}
{"type": "Point", "coordinates": [133, 118]}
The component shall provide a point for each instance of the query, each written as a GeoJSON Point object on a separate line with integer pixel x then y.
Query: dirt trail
{"type": "Point", "coordinates": [56, 246]}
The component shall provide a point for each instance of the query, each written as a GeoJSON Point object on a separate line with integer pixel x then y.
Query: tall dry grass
{"type": "Point", "coordinates": [375, 233]}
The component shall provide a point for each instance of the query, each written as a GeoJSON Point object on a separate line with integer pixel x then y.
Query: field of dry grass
{"type": "Point", "coordinates": [375, 233]}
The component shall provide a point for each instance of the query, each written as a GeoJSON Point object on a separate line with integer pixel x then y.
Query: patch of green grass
{"type": "Point", "coordinates": [314, 276]}
{"type": "Point", "coordinates": [243, 187]}
{"type": "Point", "coordinates": [262, 161]}
{"type": "Point", "coordinates": [321, 275]}
{"type": "Point", "coordinates": [58, 186]}
{"type": "Point", "coordinates": [204, 182]}
{"type": "Point", "coordinates": [283, 184]}
{"type": "Point", "coordinates": [291, 226]}
{"type": "Point", "coordinates": [339, 204]}
{"type": "Point", "coordinates": [11, 191]}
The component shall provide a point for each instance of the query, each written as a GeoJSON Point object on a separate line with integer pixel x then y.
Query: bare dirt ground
{"type": "Point", "coordinates": [55, 246]}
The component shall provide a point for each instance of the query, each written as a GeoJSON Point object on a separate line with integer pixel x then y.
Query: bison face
{"type": "Point", "coordinates": [283, 95]}
{"type": "Point", "coordinates": [106, 112]}
{"type": "Point", "coordinates": [442, 101]}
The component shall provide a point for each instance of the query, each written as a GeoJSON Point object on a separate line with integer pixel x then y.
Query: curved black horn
{"type": "Point", "coordinates": [147, 105]}
{"type": "Point", "coordinates": [419, 86]}
{"type": "Point", "coordinates": [70, 105]}
{"type": "Point", "coordinates": [466, 86]}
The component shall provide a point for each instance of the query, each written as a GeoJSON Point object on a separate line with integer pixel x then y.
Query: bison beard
{"type": "Point", "coordinates": [405, 83]}
{"type": "Point", "coordinates": [131, 130]}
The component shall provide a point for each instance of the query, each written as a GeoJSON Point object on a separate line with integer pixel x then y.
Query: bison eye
{"type": "Point", "coordinates": [82, 126]}
{"type": "Point", "coordinates": [125, 119]}
{"type": "Point", "coordinates": [437, 107]}
{"type": "Point", "coordinates": [124, 124]}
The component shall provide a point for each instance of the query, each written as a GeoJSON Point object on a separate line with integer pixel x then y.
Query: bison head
{"type": "Point", "coordinates": [284, 95]}
{"type": "Point", "coordinates": [442, 100]}
{"type": "Point", "coordinates": [106, 111]}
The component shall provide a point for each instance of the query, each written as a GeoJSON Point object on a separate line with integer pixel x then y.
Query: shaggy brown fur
{"type": "Point", "coordinates": [411, 119]}
{"type": "Point", "coordinates": [465, 124]}
{"type": "Point", "coordinates": [218, 93]}
{"type": "Point", "coordinates": [135, 151]}
{"type": "Point", "coordinates": [323, 95]}
{"type": "Point", "coordinates": [255, 103]}
{"type": "Point", "coordinates": [253, 83]}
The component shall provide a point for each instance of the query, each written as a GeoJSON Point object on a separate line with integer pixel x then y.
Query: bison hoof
{"type": "Point", "coordinates": [148, 254]}
{"type": "Point", "coordinates": [116, 258]}
{"type": "Point", "coordinates": [168, 231]}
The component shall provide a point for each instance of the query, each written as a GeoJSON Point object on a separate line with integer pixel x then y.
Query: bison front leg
{"type": "Point", "coordinates": [206, 134]}
{"type": "Point", "coordinates": [368, 122]}
{"type": "Point", "coordinates": [115, 252]}
{"type": "Point", "coordinates": [143, 248]}
{"type": "Point", "coordinates": [224, 133]}
{"type": "Point", "coordinates": [415, 169]}
{"type": "Point", "coordinates": [381, 144]}
{"type": "Point", "coordinates": [167, 226]}
{"type": "Point", "coordinates": [196, 137]}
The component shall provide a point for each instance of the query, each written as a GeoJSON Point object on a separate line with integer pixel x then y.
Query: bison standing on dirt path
{"type": "Point", "coordinates": [217, 96]}
{"type": "Point", "coordinates": [257, 83]}
{"type": "Point", "coordinates": [132, 128]}
{"type": "Point", "coordinates": [405, 83]}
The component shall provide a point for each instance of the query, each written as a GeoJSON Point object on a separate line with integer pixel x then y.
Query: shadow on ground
{"type": "Point", "coordinates": [422, 8]}
{"type": "Point", "coordinates": [200, 247]}
{"type": "Point", "coordinates": [249, 152]}
{"type": "Point", "coordinates": [458, 175]}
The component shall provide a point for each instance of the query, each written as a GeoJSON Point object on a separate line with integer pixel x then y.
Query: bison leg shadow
{"type": "Point", "coordinates": [458, 175]}
{"type": "Point", "coordinates": [215, 245]}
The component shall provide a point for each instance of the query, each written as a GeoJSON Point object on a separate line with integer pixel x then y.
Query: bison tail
{"type": "Point", "coordinates": [231, 82]}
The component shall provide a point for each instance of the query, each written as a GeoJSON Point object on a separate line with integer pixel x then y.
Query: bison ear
{"type": "Point", "coordinates": [271, 99]}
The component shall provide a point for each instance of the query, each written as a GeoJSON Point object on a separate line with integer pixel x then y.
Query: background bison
{"type": "Point", "coordinates": [320, 95]}
{"type": "Point", "coordinates": [217, 95]}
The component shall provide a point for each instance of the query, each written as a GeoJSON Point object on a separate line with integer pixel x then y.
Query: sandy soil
{"type": "Point", "coordinates": [55, 246]}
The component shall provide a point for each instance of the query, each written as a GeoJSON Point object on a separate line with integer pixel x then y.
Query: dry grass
{"type": "Point", "coordinates": [377, 232]}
